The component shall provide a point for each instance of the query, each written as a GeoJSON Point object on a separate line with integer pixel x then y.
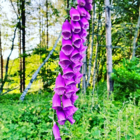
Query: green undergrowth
{"type": "Point", "coordinates": [96, 119]}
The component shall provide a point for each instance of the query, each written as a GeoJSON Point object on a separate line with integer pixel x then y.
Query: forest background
{"type": "Point", "coordinates": [29, 30]}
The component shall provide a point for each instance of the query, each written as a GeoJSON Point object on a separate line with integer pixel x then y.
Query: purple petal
{"type": "Point", "coordinates": [82, 49]}
{"type": "Point", "coordinates": [75, 56]}
{"type": "Point", "coordinates": [70, 112]}
{"type": "Point", "coordinates": [71, 120]}
{"type": "Point", "coordinates": [83, 33]}
{"type": "Point", "coordinates": [74, 14]}
{"type": "Point", "coordinates": [67, 47]}
{"type": "Point", "coordinates": [56, 132]}
{"type": "Point", "coordinates": [61, 116]}
{"type": "Point", "coordinates": [88, 16]}
{"type": "Point", "coordinates": [84, 23]}
{"type": "Point", "coordinates": [82, 11]}
{"type": "Point", "coordinates": [70, 82]}
{"type": "Point", "coordinates": [66, 30]}
{"type": "Point", "coordinates": [76, 40]}
{"type": "Point", "coordinates": [76, 27]}
{"type": "Point", "coordinates": [89, 1]}
{"type": "Point", "coordinates": [66, 102]}
{"type": "Point", "coordinates": [78, 77]}
{"type": "Point", "coordinates": [81, 2]}
{"type": "Point", "coordinates": [59, 85]}
{"type": "Point", "coordinates": [88, 6]}
{"type": "Point", "coordinates": [64, 60]}
{"type": "Point", "coordinates": [56, 101]}
{"type": "Point", "coordinates": [68, 73]}
{"type": "Point", "coordinates": [74, 97]}
{"type": "Point", "coordinates": [76, 66]}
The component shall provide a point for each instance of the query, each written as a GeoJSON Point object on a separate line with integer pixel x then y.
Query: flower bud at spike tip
{"type": "Point", "coordinates": [81, 2]}
{"type": "Point", "coordinates": [66, 30]}
{"type": "Point", "coordinates": [67, 47]}
{"type": "Point", "coordinates": [74, 14]}
{"type": "Point", "coordinates": [76, 27]}
{"type": "Point", "coordinates": [56, 101]}
{"type": "Point", "coordinates": [56, 132]}
{"type": "Point", "coordinates": [61, 116]}
{"type": "Point", "coordinates": [64, 60]}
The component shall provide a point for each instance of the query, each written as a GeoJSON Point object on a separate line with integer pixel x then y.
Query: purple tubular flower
{"type": "Point", "coordinates": [81, 2]}
{"type": "Point", "coordinates": [74, 97]}
{"type": "Point", "coordinates": [83, 33]}
{"type": "Point", "coordinates": [61, 116]}
{"type": "Point", "coordinates": [74, 14]}
{"type": "Point", "coordinates": [89, 1]}
{"type": "Point", "coordinates": [66, 30]}
{"type": "Point", "coordinates": [82, 49]}
{"type": "Point", "coordinates": [71, 120]}
{"type": "Point", "coordinates": [68, 73]}
{"type": "Point", "coordinates": [56, 132]}
{"type": "Point", "coordinates": [59, 85]}
{"type": "Point", "coordinates": [87, 15]}
{"type": "Point", "coordinates": [70, 112]}
{"type": "Point", "coordinates": [76, 66]}
{"type": "Point", "coordinates": [69, 92]}
{"type": "Point", "coordinates": [75, 56]}
{"type": "Point", "coordinates": [64, 60]}
{"type": "Point", "coordinates": [67, 47]}
{"type": "Point", "coordinates": [82, 11]}
{"type": "Point", "coordinates": [66, 102]}
{"type": "Point", "coordinates": [56, 101]}
{"type": "Point", "coordinates": [78, 77]}
{"type": "Point", "coordinates": [76, 27]}
{"type": "Point", "coordinates": [88, 6]}
{"type": "Point", "coordinates": [82, 57]}
{"type": "Point", "coordinates": [76, 40]}
{"type": "Point", "coordinates": [84, 23]}
{"type": "Point", "coordinates": [70, 83]}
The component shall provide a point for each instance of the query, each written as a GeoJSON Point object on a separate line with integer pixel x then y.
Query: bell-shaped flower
{"type": "Point", "coordinates": [61, 116]}
{"type": "Point", "coordinates": [89, 1]}
{"type": "Point", "coordinates": [68, 73]}
{"type": "Point", "coordinates": [71, 83]}
{"type": "Point", "coordinates": [82, 57]}
{"type": "Point", "coordinates": [56, 132]}
{"type": "Point", "coordinates": [67, 47]}
{"type": "Point", "coordinates": [83, 33]}
{"type": "Point", "coordinates": [78, 77]}
{"type": "Point", "coordinates": [88, 16]}
{"type": "Point", "coordinates": [71, 120]}
{"type": "Point", "coordinates": [82, 11]}
{"type": "Point", "coordinates": [76, 40]}
{"type": "Point", "coordinates": [74, 97]}
{"type": "Point", "coordinates": [84, 23]}
{"type": "Point", "coordinates": [76, 66]}
{"type": "Point", "coordinates": [69, 92]}
{"type": "Point", "coordinates": [56, 102]}
{"type": "Point", "coordinates": [75, 56]}
{"type": "Point", "coordinates": [70, 112]}
{"type": "Point", "coordinates": [82, 49]}
{"type": "Point", "coordinates": [64, 60]}
{"type": "Point", "coordinates": [66, 103]}
{"type": "Point", "coordinates": [66, 30]}
{"type": "Point", "coordinates": [59, 85]}
{"type": "Point", "coordinates": [74, 14]}
{"type": "Point", "coordinates": [76, 27]}
{"type": "Point", "coordinates": [88, 6]}
{"type": "Point", "coordinates": [81, 2]}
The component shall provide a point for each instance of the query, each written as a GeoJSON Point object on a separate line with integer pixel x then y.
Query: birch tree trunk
{"type": "Point", "coordinates": [92, 44]}
{"type": "Point", "coordinates": [136, 34]}
{"type": "Point", "coordinates": [108, 46]}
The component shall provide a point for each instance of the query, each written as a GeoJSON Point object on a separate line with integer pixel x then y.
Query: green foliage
{"type": "Point", "coordinates": [126, 78]}
{"type": "Point", "coordinates": [97, 118]}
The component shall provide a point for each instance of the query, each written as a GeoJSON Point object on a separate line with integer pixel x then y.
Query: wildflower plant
{"type": "Point", "coordinates": [71, 55]}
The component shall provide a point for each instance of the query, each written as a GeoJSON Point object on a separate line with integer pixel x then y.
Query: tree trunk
{"type": "Point", "coordinates": [108, 46]}
{"type": "Point", "coordinates": [47, 25]}
{"type": "Point", "coordinates": [92, 44]}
